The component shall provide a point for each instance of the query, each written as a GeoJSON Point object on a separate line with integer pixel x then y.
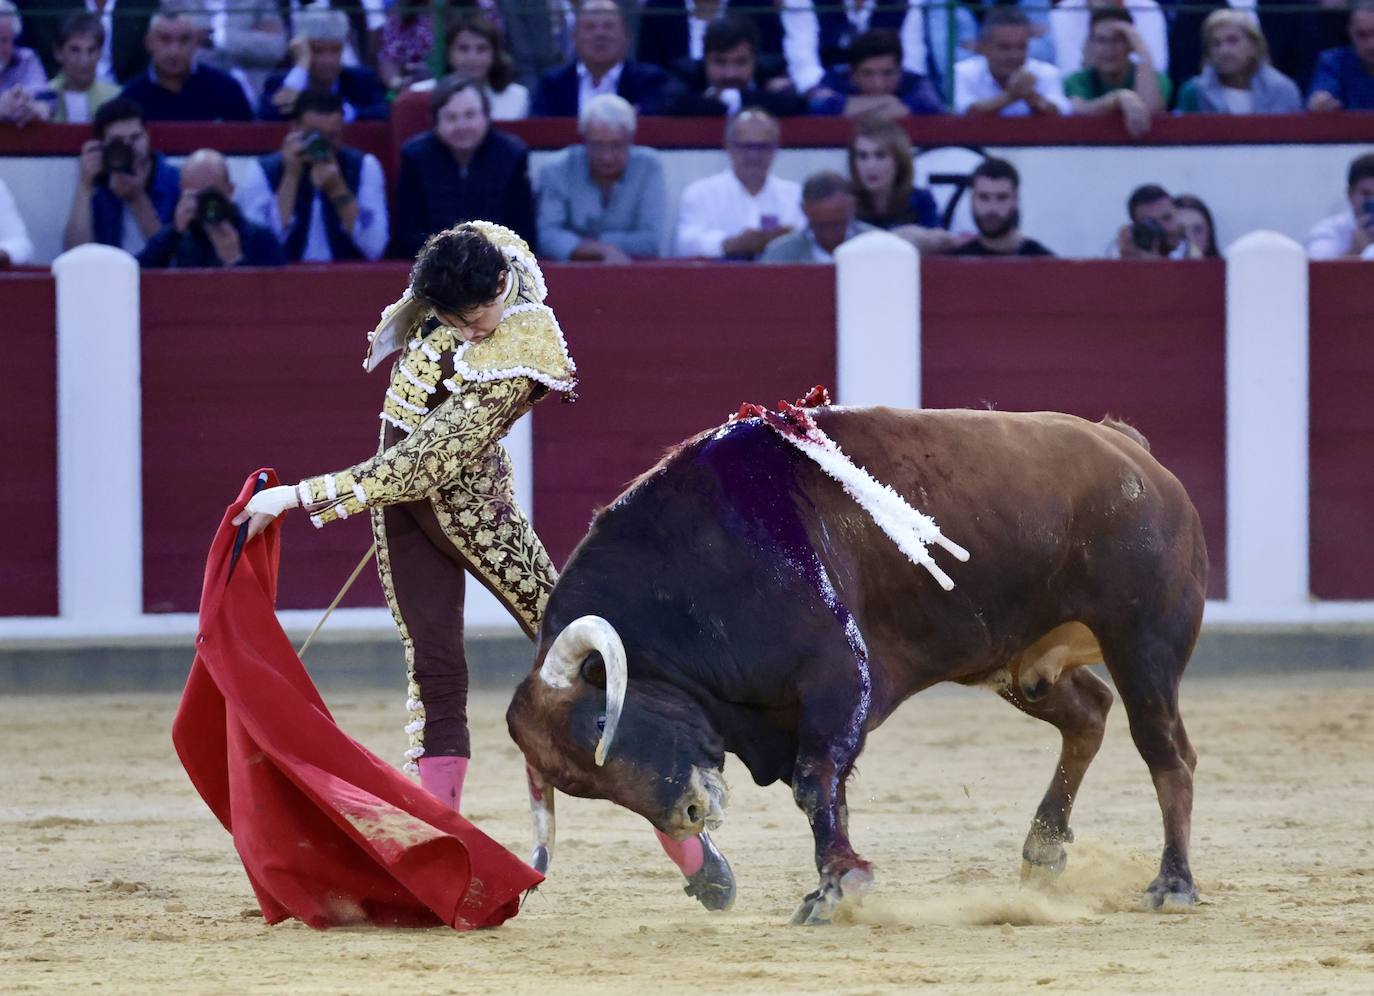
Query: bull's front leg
{"type": "Point", "coordinates": [825, 759]}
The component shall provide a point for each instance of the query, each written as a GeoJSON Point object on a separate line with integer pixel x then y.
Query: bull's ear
{"type": "Point", "coordinates": [594, 670]}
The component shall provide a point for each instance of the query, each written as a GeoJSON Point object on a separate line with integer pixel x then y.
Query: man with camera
{"type": "Point", "coordinates": [1155, 231]}
{"type": "Point", "coordinates": [324, 200]}
{"type": "Point", "coordinates": [124, 191]}
{"type": "Point", "coordinates": [1348, 234]}
{"type": "Point", "coordinates": [207, 230]}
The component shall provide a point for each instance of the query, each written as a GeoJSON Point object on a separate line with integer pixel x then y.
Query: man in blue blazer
{"type": "Point", "coordinates": [601, 40]}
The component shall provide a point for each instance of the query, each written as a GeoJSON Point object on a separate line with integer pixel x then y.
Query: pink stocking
{"type": "Point", "coordinates": [443, 777]}
{"type": "Point", "coordinates": [686, 854]}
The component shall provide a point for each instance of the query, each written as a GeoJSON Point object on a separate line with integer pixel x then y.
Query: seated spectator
{"type": "Point", "coordinates": [1237, 78]}
{"type": "Point", "coordinates": [125, 191]}
{"type": "Point", "coordinates": [405, 44]}
{"type": "Point", "coordinates": [175, 87]}
{"type": "Point", "coordinates": [673, 33]}
{"type": "Point", "coordinates": [1155, 231]}
{"type": "Point", "coordinates": [605, 199]}
{"type": "Point", "coordinates": [881, 171]}
{"type": "Point", "coordinates": [1119, 75]}
{"type": "Point", "coordinates": [317, 47]}
{"type": "Point", "coordinates": [1344, 77]}
{"type": "Point", "coordinates": [477, 51]}
{"type": "Point", "coordinates": [737, 212]}
{"type": "Point", "coordinates": [995, 191]}
{"type": "Point", "coordinates": [207, 229]}
{"type": "Point", "coordinates": [1195, 221]}
{"type": "Point", "coordinates": [21, 73]}
{"type": "Point", "coordinates": [323, 200]}
{"type": "Point", "coordinates": [1349, 233]}
{"type": "Point", "coordinates": [76, 93]}
{"type": "Point", "coordinates": [828, 205]}
{"type": "Point", "coordinates": [601, 41]}
{"type": "Point", "coordinates": [124, 54]}
{"type": "Point", "coordinates": [1001, 79]}
{"type": "Point", "coordinates": [247, 40]}
{"type": "Point", "coordinates": [1070, 25]}
{"type": "Point", "coordinates": [16, 248]}
{"type": "Point", "coordinates": [874, 83]}
{"type": "Point", "coordinates": [460, 171]}
{"type": "Point", "coordinates": [818, 36]}
{"type": "Point", "coordinates": [729, 78]}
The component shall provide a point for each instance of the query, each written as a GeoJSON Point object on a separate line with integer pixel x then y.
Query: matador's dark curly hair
{"type": "Point", "coordinates": [457, 271]}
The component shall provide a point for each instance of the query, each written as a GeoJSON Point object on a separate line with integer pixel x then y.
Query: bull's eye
{"type": "Point", "coordinates": [601, 723]}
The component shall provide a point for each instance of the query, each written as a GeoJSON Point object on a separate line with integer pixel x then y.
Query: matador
{"type": "Point", "coordinates": [478, 347]}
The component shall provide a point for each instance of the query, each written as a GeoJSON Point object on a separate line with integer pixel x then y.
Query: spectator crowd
{"type": "Point", "coordinates": [116, 65]}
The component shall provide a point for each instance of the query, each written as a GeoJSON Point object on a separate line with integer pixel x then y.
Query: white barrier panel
{"type": "Point", "coordinates": [99, 445]}
{"type": "Point", "coordinates": [878, 322]}
{"type": "Point", "coordinates": [1266, 424]}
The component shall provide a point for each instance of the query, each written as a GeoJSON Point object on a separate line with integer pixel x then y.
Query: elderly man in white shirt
{"type": "Point", "coordinates": [736, 213]}
{"type": "Point", "coordinates": [1001, 79]}
{"type": "Point", "coordinates": [1351, 232]}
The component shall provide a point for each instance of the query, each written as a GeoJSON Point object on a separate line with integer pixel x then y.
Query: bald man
{"type": "Point", "coordinates": [207, 230]}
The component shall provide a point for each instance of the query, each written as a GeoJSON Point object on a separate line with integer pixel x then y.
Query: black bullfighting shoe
{"type": "Point", "coordinates": [713, 884]}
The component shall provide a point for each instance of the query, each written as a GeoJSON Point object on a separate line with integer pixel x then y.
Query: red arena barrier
{"type": "Point", "coordinates": [1141, 341]}
{"type": "Point", "coordinates": [28, 429]}
{"type": "Point", "coordinates": [1342, 430]}
{"type": "Point", "coordinates": [663, 351]}
{"type": "Point", "coordinates": [252, 368]}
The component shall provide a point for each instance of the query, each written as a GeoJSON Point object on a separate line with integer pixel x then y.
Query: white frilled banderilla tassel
{"type": "Point", "coordinates": [911, 530]}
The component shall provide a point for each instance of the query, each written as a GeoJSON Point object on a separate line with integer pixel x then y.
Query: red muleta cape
{"type": "Point", "coordinates": [327, 832]}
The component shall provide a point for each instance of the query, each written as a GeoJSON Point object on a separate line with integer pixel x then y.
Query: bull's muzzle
{"type": "Point", "coordinates": [702, 806]}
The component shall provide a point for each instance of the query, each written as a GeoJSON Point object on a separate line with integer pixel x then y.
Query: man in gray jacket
{"type": "Point", "coordinates": [829, 205]}
{"type": "Point", "coordinates": [605, 199]}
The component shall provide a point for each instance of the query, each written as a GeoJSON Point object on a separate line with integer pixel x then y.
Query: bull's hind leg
{"type": "Point", "coordinates": [1147, 667]}
{"type": "Point", "coordinates": [1077, 706]}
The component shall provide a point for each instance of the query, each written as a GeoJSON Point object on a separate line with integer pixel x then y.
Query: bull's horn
{"type": "Point", "coordinates": [564, 662]}
{"type": "Point", "coordinates": [541, 809]}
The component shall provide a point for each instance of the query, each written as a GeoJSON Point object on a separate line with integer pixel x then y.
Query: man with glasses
{"type": "Point", "coordinates": [737, 212]}
{"type": "Point", "coordinates": [606, 199]}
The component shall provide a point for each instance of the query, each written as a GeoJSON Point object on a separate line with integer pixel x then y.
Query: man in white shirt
{"type": "Point", "coordinates": [1349, 233]}
{"type": "Point", "coordinates": [322, 200]}
{"type": "Point", "coordinates": [1002, 80]}
{"type": "Point", "coordinates": [736, 213]}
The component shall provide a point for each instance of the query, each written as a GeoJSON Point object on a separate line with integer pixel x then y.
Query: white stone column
{"type": "Point", "coordinates": [1266, 427]}
{"type": "Point", "coordinates": [878, 320]}
{"type": "Point", "coordinates": [99, 439]}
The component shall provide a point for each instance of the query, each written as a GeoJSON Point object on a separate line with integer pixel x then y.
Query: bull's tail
{"type": "Point", "coordinates": [1127, 430]}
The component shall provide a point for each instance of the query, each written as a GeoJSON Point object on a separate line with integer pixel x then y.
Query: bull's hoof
{"type": "Point", "coordinates": [713, 884]}
{"type": "Point", "coordinates": [818, 908]}
{"type": "Point", "coordinates": [1171, 894]}
{"type": "Point", "coordinates": [1043, 857]}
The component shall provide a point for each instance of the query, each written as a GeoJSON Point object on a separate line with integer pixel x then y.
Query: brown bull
{"type": "Point", "coordinates": [736, 598]}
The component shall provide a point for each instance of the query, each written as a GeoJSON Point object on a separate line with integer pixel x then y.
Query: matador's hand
{"type": "Point", "coordinates": [265, 506]}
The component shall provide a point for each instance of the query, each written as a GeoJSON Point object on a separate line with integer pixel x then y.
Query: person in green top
{"type": "Point", "coordinates": [75, 92]}
{"type": "Point", "coordinates": [1111, 82]}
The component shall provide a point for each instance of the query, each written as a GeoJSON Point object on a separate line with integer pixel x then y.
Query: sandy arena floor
{"type": "Point", "coordinates": [114, 875]}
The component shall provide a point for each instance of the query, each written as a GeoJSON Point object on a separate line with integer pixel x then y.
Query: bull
{"type": "Point", "coordinates": [735, 598]}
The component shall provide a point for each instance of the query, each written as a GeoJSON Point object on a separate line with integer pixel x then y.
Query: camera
{"type": "Point", "coordinates": [316, 147]}
{"type": "Point", "coordinates": [212, 207]}
{"type": "Point", "coordinates": [1148, 236]}
{"type": "Point", "coordinates": [117, 156]}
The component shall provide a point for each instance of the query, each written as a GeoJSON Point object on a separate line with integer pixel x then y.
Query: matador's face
{"type": "Point", "coordinates": [482, 321]}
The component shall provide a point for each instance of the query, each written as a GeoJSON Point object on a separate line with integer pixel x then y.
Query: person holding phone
{"type": "Point", "coordinates": [1155, 231]}
{"type": "Point", "coordinates": [323, 200]}
{"type": "Point", "coordinates": [1349, 233]}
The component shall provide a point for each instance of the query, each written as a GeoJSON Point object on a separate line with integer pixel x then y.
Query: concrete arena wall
{"type": "Point", "coordinates": [1073, 196]}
